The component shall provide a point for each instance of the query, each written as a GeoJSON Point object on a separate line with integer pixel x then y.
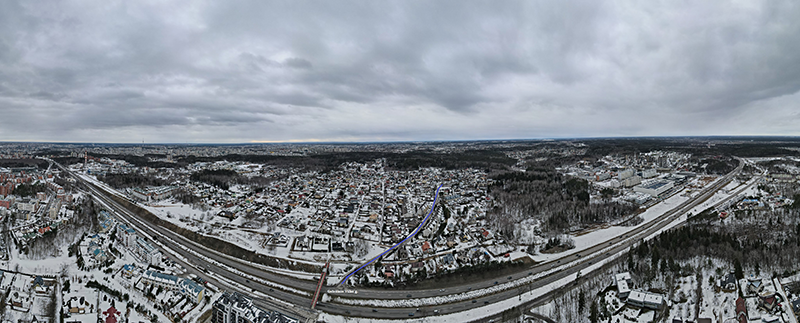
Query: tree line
{"type": "Point", "coordinates": [559, 202]}
{"type": "Point", "coordinates": [224, 178]}
{"type": "Point", "coordinates": [125, 180]}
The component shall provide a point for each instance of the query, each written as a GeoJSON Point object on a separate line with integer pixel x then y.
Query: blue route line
{"type": "Point", "coordinates": [401, 242]}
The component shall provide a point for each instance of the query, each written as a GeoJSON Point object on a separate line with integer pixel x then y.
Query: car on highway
{"type": "Point", "coordinates": [509, 278]}
{"type": "Point", "coordinates": [474, 301]}
{"type": "Point", "coordinates": [436, 311]}
{"type": "Point", "coordinates": [485, 302]}
{"type": "Point", "coordinates": [409, 295]}
{"type": "Point", "coordinates": [347, 311]}
{"type": "Point", "coordinates": [411, 314]}
{"type": "Point", "coordinates": [495, 282]}
{"type": "Point", "coordinates": [374, 310]}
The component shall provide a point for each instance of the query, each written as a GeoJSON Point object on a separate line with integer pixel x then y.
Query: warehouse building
{"type": "Point", "coordinates": [654, 188]}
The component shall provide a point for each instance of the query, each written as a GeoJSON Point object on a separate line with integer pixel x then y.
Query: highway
{"type": "Point", "coordinates": [546, 298]}
{"type": "Point", "coordinates": [195, 264]}
{"type": "Point", "coordinates": [567, 265]}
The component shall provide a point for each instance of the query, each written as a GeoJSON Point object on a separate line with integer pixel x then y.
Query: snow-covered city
{"type": "Point", "coordinates": [92, 238]}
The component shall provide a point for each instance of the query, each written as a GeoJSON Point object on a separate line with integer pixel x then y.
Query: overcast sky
{"type": "Point", "coordinates": [243, 71]}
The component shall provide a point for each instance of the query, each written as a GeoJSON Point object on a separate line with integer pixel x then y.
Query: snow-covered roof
{"type": "Point", "coordinates": [191, 288]}
{"type": "Point", "coordinates": [244, 307]}
{"type": "Point", "coordinates": [160, 277]}
{"type": "Point", "coordinates": [626, 276]}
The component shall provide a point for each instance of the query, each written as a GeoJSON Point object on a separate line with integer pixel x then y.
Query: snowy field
{"type": "Point", "coordinates": [587, 240]}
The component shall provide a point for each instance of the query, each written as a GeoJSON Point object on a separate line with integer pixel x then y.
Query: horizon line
{"type": "Point", "coordinates": [321, 141]}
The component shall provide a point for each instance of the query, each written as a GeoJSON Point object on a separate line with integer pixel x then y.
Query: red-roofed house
{"type": "Point", "coordinates": [768, 301]}
{"type": "Point", "coordinates": [741, 310]}
{"type": "Point", "coordinates": [111, 315]}
{"type": "Point", "coordinates": [426, 247]}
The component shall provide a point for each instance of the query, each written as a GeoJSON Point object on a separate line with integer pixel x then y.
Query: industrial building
{"type": "Point", "coordinates": [654, 188]}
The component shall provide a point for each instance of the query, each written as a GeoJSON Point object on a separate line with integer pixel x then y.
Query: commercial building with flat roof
{"type": "Point", "coordinates": [646, 300]}
{"type": "Point", "coordinates": [654, 188]}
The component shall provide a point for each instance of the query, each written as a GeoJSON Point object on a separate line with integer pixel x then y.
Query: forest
{"type": "Point", "coordinates": [718, 165]}
{"type": "Point", "coordinates": [698, 146]}
{"type": "Point", "coordinates": [483, 159]}
{"type": "Point", "coordinates": [125, 180]}
{"type": "Point", "coordinates": [41, 164]}
{"type": "Point", "coordinates": [224, 178]}
{"type": "Point", "coordinates": [559, 202]}
{"type": "Point", "coordinates": [24, 190]}
{"type": "Point", "coordinates": [49, 245]}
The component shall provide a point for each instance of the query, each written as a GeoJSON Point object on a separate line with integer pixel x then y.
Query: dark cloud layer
{"type": "Point", "coordinates": [239, 71]}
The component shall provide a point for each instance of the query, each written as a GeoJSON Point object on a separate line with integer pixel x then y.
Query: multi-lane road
{"type": "Point", "coordinates": [228, 271]}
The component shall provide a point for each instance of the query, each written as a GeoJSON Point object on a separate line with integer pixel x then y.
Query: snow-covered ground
{"type": "Point", "coordinates": [582, 242]}
{"type": "Point", "coordinates": [590, 239]}
{"type": "Point", "coordinates": [65, 265]}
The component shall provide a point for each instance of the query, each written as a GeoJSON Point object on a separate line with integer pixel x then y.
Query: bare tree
{"type": "Point", "coordinates": [360, 248]}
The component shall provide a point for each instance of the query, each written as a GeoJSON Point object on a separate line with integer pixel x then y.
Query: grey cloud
{"type": "Point", "coordinates": [558, 68]}
{"type": "Point", "coordinates": [298, 63]}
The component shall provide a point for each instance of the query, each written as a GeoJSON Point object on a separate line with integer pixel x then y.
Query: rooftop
{"type": "Point", "coordinates": [654, 185]}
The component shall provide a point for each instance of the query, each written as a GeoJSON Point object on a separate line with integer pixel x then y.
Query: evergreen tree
{"type": "Point", "coordinates": [631, 264]}
{"type": "Point", "coordinates": [656, 256]}
{"type": "Point", "coordinates": [593, 313]}
{"type": "Point", "coordinates": [737, 269]}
